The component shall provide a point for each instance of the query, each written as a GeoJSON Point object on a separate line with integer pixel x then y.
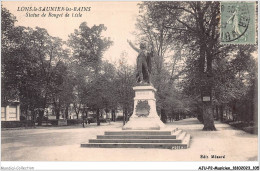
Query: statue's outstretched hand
{"type": "Point", "coordinates": [131, 44]}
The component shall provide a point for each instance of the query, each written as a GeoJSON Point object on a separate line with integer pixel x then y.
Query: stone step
{"type": "Point", "coordinates": [136, 137]}
{"type": "Point", "coordinates": [187, 140]}
{"type": "Point", "coordinates": [138, 132]}
{"type": "Point", "coordinates": [176, 139]}
{"type": "Point", "coordinates": [135, 145]}
{"type": "Point", "coordinates": [181, 135]}
{"type": "Point", "coordinates": [134, 141]}
{"type": "Point", "coordinates": [177, 133]}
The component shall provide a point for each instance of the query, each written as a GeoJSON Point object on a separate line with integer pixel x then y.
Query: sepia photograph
{"type": "Point", "coordinates": [129, 81]}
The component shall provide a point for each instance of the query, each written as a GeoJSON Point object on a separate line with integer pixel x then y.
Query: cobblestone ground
{"type": "Point", "coordinates": [63, 144]}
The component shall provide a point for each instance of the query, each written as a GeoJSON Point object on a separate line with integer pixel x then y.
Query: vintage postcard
{"type": "Point", "coordinates": [164, 84]}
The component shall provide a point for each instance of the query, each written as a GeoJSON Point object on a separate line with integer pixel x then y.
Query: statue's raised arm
{"type": "Point", "coordinates": [143, 72]}
{"type": "Point", "coordinates": [135, 48]}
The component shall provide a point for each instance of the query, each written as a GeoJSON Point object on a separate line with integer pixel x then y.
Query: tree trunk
{"type": "Point", "coordinates": [233, 112]}
{"type": "Point", "coordinates": [205, 67]}
{"type": "Point", "coordinates": [255, 114]}
{"type": "Point", "coordinates": [98, 121]}
{"type": "Point", "coordinates": [213, 111]}
{"type": "Point", "coordinates": [252, 111]}
{"type": "Point", "coordinates": [67, 111]}
{"type": "Point", "coordinates": [249, 111]}
{"type": "Point", "coordinates": [77, 111]}
{"type": "Point", "coordinates": [113, 112]}
{"type": "Point", "coordinates": [163, 116]}
{"type": "Point", "coordinates": [57, 112]}
{"type": "Point", "coordinates": [77, 114]}
{"type": "Point", "coordinates": [208, 118]}
{"type": "Point", "coordinates": [33, 116]}
{"type": "Point", "coordinates": [106, 111]}
{"type": "Point", "coordinates": [83, 117]}
{"type": "Point", "coordinates": [217, 113]}
{"type": "Point", "coordinates": [221, 112]}
{"type": "Point", "coordinates": [124, 115]}
{"type": "Point", "coordinates": [41, 113]}
{"type": "Point", "coordinates": [86, 114]}
{"type": "Point", "coordinates": [56, 109]}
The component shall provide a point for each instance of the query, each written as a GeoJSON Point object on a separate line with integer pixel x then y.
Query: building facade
{"type": "Point", "coordinates": [11, 112]}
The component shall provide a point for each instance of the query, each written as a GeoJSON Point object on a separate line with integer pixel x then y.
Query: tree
{"type": "Point", "coordinates": [110, 75]}
{"type": "Point", "coordinates": [61, 89]}
{"type": "Point", "coordinates": [98, 93]}
{"type": "Point", "coordinates": [194, 25]}
{"type": "Point", "coordinates": [236, 74]}
{"type": "Point", "coordinates": [223, 69]}
{"type": "Point", "coordinates": [48, 52]}
{"type": "Point", "coordinates": [29, 60]}
{"type": "Point", "coordinates": [88, 47]}
{"type": "Point", "coordinates": [153, 29]}
{"type": "Point", "coordinates": [8, 89]}
{"type": "Point", "coordinates": [125, 80]}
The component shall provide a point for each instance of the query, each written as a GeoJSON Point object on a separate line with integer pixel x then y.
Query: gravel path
{"type": "Point", "coordinates": [63, 144]}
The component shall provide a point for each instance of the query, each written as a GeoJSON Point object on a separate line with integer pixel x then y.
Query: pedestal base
{"type": "Point", "coordinates": [144, 115]}
{"type": "Point", "coordinates": [144, 124]}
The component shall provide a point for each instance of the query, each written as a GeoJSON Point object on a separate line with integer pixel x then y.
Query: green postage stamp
{"type": "Point", "coordinates": [238, 22]}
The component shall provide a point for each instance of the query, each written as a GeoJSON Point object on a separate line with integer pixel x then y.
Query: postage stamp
{"type": "Point", "coordinates": [237, 22]}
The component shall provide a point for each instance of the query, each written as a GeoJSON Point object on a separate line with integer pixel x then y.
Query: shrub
{"type": "Point", "coordinates": [120, 118]}
{"type": "Point", "coordinates": [22, 118]}
{"type": "Point", "coordinates": [74, 121]}
{"type": "Point", "coordinates": [102, 120]}
{"type": "Point", "coordinates": [53, 121]}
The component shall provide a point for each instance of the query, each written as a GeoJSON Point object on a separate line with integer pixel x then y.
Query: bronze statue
{"type": "Point", "coordinates": [144, 64]}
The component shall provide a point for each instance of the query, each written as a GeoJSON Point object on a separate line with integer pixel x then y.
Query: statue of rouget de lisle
{"type": "Point", "coordinates": [144, 64]}
{"type": "Point", "coordinates": [144, 115]}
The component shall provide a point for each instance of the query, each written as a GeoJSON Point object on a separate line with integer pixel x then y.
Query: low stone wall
{"type": "Point", "coordinates": [74, 121]}
{"type": "Point", "coordinates": [54, 122]}
{"type": "Point", "coordinates": [16, 124]}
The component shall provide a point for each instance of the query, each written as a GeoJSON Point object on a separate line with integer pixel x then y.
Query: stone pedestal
{"type": "Point", "coordinates": [144, 116]}
{"type": "Point", "coordinates": [144, 129]}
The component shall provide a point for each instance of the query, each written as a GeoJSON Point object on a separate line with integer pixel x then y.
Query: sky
{"type": "Point", "coordinates": [118, 17]}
